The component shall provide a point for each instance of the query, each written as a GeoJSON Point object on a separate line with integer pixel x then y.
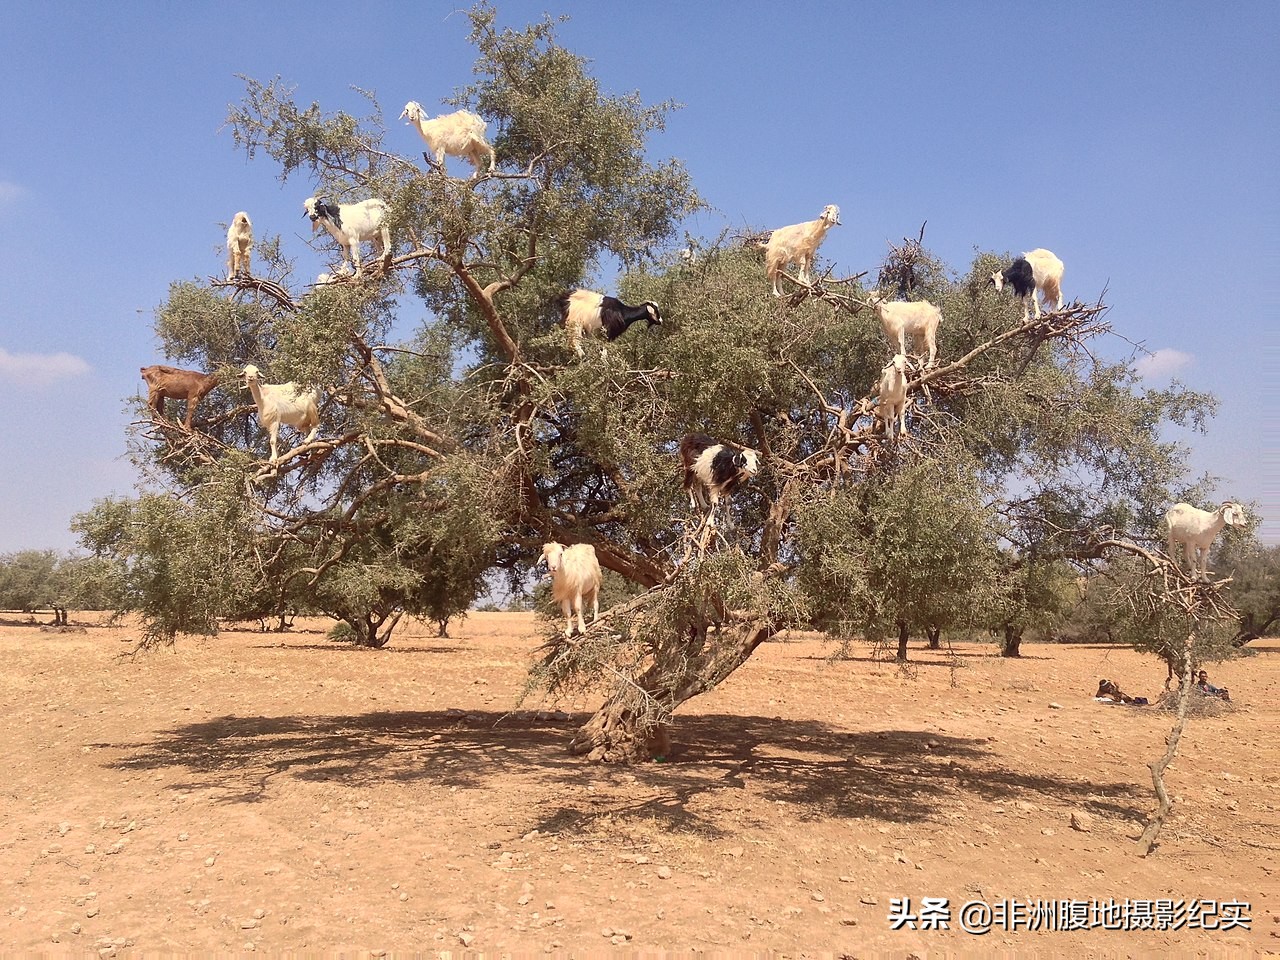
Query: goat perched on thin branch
{"type": "Point", "coordinates": [575, 580]}
{"type": "Point", "coordinates": [459, 134]}
{"type": "Point", "coordinates": [918, 319]}
{"type": "Point", "coordinates": [351, 224]}
{"type": "Point", "coordinates": [1035, 271]}
{"type": "Point", "coordinates": [1194, 530]}
{"type": "Point", "coordinates": [585, 312]}
{"type": "Point", "coordinates": [239, 244]}
{"type": "Point", "coordinates": [173, 383]}
{"type": "Point", "coordinates": [797, 244]}
{"type": "Point", "coordinates": [286, 403]}
{"type": "Point", "coordinates": [713, 470]}
{"type": "Point", "coordinates": [893, 395]}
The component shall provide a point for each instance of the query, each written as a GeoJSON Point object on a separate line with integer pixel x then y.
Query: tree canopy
{"type": "Point", "coordinates": [454, 455]}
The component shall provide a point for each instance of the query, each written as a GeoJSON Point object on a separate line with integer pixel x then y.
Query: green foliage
{"type": "Point", "coordinates": [458, 452]}
{"type": "Point", "coordinates": [28, 580]}
{"type": "Point", "coordinates": [1255, 585]}
{"type": "Point", "coordinates": [917, 544]}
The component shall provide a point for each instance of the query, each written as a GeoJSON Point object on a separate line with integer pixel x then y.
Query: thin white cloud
{"type": "Point", "coordinates": [39, 369]}
{"type": "Point", "coordinates": [9, 191]}
{"type": "Point", "coordinates": [1163, 363]}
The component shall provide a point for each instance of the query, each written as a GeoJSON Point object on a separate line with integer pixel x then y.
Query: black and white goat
{"type": "Point", "coordinates": [713, 470]}
{"type": "Point", "coordinates": [585, 312]}
{"type": "Point", "coordinates": [1036, 270]}
{"type": "Point", "coordinates": [351, 224]}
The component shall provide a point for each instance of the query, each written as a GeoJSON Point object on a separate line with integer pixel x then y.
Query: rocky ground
{"type": "Point", "coordinates": [280, 793]}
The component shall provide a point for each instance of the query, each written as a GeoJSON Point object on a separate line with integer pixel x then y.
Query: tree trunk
{"type": "Point", "coordinates": [934, 634]}
{"type": "Point", "coordinates": [373, 631]}
{"type": "Point", "coordinates": [631, 725]}
{"type": "Point", "coordinates": [442, 627]}
{"type": "Point", "coordinates": [902, 641]}
{"type": "Point", "coordinates": [1012, 641]}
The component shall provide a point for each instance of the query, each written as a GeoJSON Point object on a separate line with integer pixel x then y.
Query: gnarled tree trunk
{"type": "Point", "coordinates": [631, 725]}
{"type": "Point", "coordinates": [1012, 646]}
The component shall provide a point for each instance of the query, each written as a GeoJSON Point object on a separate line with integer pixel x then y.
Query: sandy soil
{"type": "Point", "coordinates": [243, 793]}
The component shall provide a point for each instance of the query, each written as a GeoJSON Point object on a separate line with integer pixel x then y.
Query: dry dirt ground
{"type": "Point", "coordinates": [253, 792]}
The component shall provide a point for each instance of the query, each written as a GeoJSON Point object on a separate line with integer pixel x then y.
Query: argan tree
{"type": "Point", "coordinates": [458, 452]}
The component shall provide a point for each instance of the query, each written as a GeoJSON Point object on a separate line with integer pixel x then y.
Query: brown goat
{"type": "Point", "coordinates": [173, 383]}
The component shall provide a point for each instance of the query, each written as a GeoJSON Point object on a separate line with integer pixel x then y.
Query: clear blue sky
{"type": "Point", "coordinates": [1137, 141]}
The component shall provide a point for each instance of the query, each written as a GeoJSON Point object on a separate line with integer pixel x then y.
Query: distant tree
{"type": "Point", "coordinates": [28, 580]}
{"type": "Point", "coordinates": [1255, 586]}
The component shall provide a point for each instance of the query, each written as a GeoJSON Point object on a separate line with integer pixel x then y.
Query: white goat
{"type": "Point", "coordinates": [1195, 529]}
{"type": "Point", "coordinates": [893, 395]}
{"type": "Point", "coordinates": [797, 244]}
{"type": "Point", "coordinates": [1035, 271]}
{"type": "Point", "coordinates": [902, 318]}
{"type": "Point", "coordinates": [286, 403]}
{"type": "Point", "coordinates": [239, 243]}
{"type": "Point", "coordinates": [459, 134]}
{"type": "Point", "coordinates": [575, 580]}
{"type": "Point", "coordinates": [351, 224]}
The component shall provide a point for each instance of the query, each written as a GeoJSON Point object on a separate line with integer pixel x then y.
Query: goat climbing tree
{"type": "Point", "coordinates": [455, 454]}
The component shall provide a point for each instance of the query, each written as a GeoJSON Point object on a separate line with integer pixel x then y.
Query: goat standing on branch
{"type": "Point", "coordinates": [239, 243]}
{"type": "Point", "coordinates": [797, 244]}
{"type": "Point", "coordinates": [585, 312]}
{"type": "Point", "coordinates": [285, 403]}
{"type": "Point", "coordinates": [351, 224]}
{"type": "Point", "coordinates": [174, 383]}
{"type": "Point", "coordinates": [1194, 529]}
{"type": "Point", "coordinates": [893, 395]}
{"type": "Point", "coordinates": [918, 319]}
{"type": "Point", "coordinates": [575, 580]}
{"type": "Point", "coordinates": [1036, 270]}
{"type": "Point", "coordinates": [713, 470]}
{"type": "Point", "coordinates": [459, 134]}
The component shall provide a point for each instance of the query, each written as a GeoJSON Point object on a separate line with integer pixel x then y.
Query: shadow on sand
{"type": "Point", "coordinates": [890, 775]}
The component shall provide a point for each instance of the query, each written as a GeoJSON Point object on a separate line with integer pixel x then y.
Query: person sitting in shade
{"type": "Point", "coordinates": [1208, 689]}
{"type": "Point", "coordinates": [1110, 690]}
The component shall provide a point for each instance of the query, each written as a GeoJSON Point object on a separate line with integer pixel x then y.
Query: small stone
{"type": "Point", "coordinates": [248, 924]}
{"type": "Point", "coordinates": [664, 873]}
{"type": "Point", "coordinates": [466, 939]}
{"type": "Point", "coordinates": [1081, 821]}
{"type": "Point", "coordinates": [845, 879]}
{"type": "Point", "coordinates": [524, 899]}
{"type": "Point", "coordinates": [75, 928]}
{"type": "Point", "coordinates": [869, 901]}
{"type": "Point", "coordinates": [530, 835]}
{"type": "Point", "coordinates": [1048, 831]}
{"type": "Point", "coordinates": [568, 868]}
{"type": "Point", "coordinates": [210, 861]}
{"type": "Point", "coordinates": [92, 911]}
{"type": "Point", "coordinates": [607, 932]}
{"type": "Point", "coordinates": [735, 851]}
{"type": "Point", "coordinates": [90, 848]}
{"type": "Point", "coordinates": [249, 946]}
{"type": "Point", "coordinates": [183, 837]}
{"type": "Point", "coordinates": [817, 897]}
{"type": "Point", "coordinates": [259, 914]}
{"type": "Point", "coordinates": [1055, 706]}
{"type": "Point", "coordinates": [617, 939]}
{"type": "Point", "coordinates": [849, 921]}
{"type": "Point", "coordinates": [403, 896]}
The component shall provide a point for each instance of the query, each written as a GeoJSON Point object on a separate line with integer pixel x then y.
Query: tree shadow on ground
{"type": "Point", "coordinates": [345, 646]}
{"type": "Point", "coordinates": [890, 775]}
